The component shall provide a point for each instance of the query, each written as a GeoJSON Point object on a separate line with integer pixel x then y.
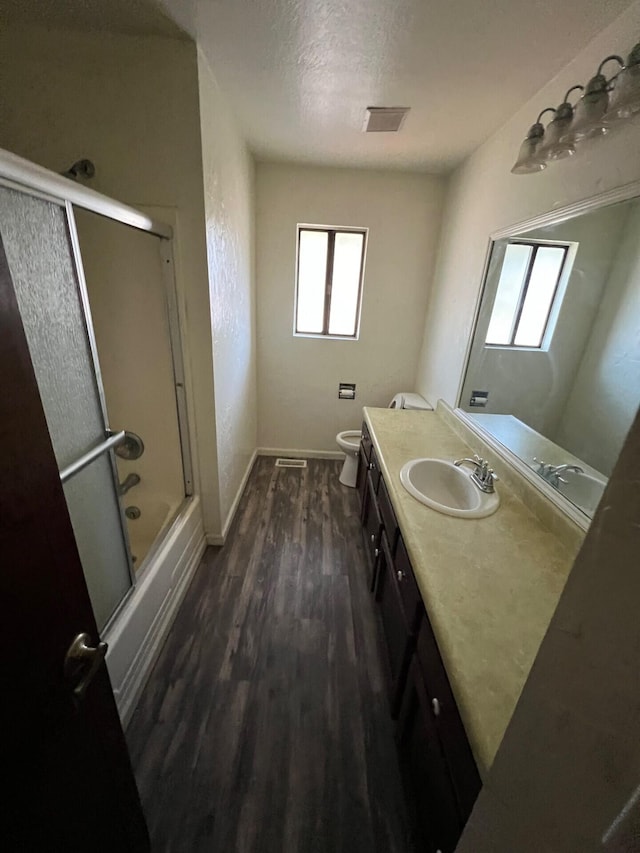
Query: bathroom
{"type": "Point", "coordinates": [153, 115]}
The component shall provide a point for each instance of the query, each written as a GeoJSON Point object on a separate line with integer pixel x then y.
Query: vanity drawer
{"type": "Point", "coordinates": [462, 766]}
{"type": "Point", "coordinates": [388, 515]}
{"type": "Point", "coordinates": [409, 592]}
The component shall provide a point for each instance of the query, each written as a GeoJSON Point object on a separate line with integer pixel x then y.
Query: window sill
{"type": "Point", "coordinates": [326, 337]}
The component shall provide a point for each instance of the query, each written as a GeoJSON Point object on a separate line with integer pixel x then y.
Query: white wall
{"type": "Point", "coordinates": [606, 392]}
{"type": "Point", "coordinates": [484, 196]}
{"type": "Point", "coordinates": [298, 406]}
{"type": "Point", "coordinates": [229, 211]}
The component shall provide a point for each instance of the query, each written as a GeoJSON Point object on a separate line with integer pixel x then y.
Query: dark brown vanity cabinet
{"type": "Point", "coordinates": [399, 633]}
{"type": "Point", "coordinates": [440, 774]}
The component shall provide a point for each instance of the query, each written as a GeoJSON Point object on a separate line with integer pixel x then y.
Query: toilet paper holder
{"type": "Point", "coordinates": [347, 391]}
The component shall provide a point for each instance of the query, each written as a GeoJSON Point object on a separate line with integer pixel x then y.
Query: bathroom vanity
{"type": "Point", "coordinates": [464, 604]}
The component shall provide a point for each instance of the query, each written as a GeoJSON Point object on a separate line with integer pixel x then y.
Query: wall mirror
{"type": "Point", "coordinates": [553, 373]}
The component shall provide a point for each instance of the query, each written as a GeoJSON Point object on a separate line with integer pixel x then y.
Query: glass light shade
{"type": "Point", "coordinates": [588, 119]}
{"type": "Point", "coordinates": [554, 148]}
{"type": "Point", "coordinates": [528, 162]}
{"type": "Point", "coordinates": [624, 101]}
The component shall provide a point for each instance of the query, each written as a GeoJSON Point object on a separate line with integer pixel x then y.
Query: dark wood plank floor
{"type": "Point", "coordinates": [265, 725]}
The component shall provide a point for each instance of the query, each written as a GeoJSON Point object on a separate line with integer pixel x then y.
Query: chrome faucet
{"type": "Point", "coordinates": [130, 481]}
{"type": "Point", "coordinates": [483, 476]}
{"type": "Point", "coordinates": [553, 473]}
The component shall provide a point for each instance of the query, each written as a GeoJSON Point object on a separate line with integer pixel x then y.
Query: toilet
{"type": "Point", "coordinates": [349, 439]}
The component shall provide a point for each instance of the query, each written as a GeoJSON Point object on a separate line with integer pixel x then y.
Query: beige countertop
{"type": "Point", "coordinates": [490, 585]}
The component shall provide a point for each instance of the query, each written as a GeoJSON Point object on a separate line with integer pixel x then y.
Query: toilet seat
{"type": "Point", "coordinates": [349, 440]}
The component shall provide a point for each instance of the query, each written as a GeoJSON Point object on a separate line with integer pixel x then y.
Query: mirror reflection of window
{"type": "Point", "coordinates": [529, 283]}
{"type": "Point", "coordinates": [556, 351]}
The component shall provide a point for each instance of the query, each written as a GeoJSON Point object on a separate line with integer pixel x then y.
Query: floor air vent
{"type": "Point", "coordinates": [291, 463]}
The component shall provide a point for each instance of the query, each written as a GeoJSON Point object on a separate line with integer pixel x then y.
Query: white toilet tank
{"type": "Point", "coordinates": [409, 400]}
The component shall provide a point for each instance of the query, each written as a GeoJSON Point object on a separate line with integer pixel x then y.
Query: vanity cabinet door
{"type": "Point", "coordinates": [388, 515]}
{"type": "Point", "coordinates": [361, 480]}
{"type": "Point", "coordinates": [462, 767]}
{"type": "Point", "coordinates": [429, 792]}
{"type": "Point", "coordinates": [372, 528]}
{"type": "Point", "coordinates": [366, 441]}
{"type": "Point", "coordinates": [374, 470]}
{"type": "Point", "coordinates": [409, 592]}
{"type": "Point", "coordinates": [399, 639]}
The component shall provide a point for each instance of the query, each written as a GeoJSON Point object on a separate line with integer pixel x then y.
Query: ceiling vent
{"type": "Point", "coordinates": [384, 119]}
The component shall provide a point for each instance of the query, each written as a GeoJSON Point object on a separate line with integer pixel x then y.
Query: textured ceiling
{"type": "Point", "coordinates": [300, 73]}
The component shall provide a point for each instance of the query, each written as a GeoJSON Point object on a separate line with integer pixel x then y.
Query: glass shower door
{"type": "Point", "coordinates": [37, 243]}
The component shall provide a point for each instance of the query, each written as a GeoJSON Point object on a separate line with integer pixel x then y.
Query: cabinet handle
{"type": "Point", "coordinates": [436, 707]}
{"type": "Point", "coordinates": [371, 466]}
{"type": "Point", "coordinates": [376, 552]}
{"type": "Point", "coordinates": [373, 537]}
{"type": "Point", "coordinates": [400, 575]}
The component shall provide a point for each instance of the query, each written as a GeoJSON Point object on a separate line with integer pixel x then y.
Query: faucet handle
{"type": "Point", "coordinates": [541, 465]}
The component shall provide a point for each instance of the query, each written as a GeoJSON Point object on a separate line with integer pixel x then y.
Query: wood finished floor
{"type": "Point", "coordinates": [265, 725]}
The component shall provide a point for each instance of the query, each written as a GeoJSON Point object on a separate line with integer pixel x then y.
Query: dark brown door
{"type": "Point", "coordinates": [68, 783]}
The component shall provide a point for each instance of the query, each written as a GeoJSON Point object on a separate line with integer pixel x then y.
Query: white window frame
{"type": "Point", "coordinates": [571, 249]}
{"type": "Point", "coordinates": [331, 231]}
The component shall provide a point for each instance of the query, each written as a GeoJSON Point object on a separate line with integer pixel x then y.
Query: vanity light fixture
{"type": "Point", "coordinates": [528, 160]}
{"type": "Point", "coordinates": [555, 145]}
{"type": "Point", "coordinates": [604, 104]}
{"type": "Point", "coordinates": [588, 120]}
{"type": "Point", "coordinates": [625, 98]}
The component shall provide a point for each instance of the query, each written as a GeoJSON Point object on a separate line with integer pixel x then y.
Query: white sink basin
{"type": "Point", "coordinates": [583, 490]}
{"type": "Point", "coordinates": [446, 488]}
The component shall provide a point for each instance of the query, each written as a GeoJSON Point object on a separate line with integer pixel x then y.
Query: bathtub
{"type": "Point", "coordinates": [173, 536]}
{"type": "Point", "coordinates": [156, 513]}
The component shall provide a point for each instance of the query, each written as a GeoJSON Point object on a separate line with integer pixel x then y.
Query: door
{"type": "Point", "coordinates": [68, 780]}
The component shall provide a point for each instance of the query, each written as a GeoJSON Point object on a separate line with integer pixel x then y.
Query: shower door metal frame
{"type": "Point", "coordinates": [95, 361]}
{"type": "Point", "coordinates": [23, 176]}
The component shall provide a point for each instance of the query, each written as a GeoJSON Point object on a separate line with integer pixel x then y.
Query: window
{"type": "Point", "coordinates": [526, 293]}
{"type": "Point", "coordinates": [329, 281]}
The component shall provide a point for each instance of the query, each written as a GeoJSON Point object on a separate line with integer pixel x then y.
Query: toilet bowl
{"type": "Point", "coordinates": [349, 443]}
{"type": "Point", "coordinates": [349, 440]}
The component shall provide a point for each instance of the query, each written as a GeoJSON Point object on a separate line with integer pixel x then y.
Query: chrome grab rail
{"type": "Point", "coordinates": [113, 441]}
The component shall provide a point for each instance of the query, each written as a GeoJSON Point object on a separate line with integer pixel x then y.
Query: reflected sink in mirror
{"type": "Point", "coordinates": [441, 485]}
{"type": "Point", "coordinates": [554, 365]}
{"type": "Point", "coordinates": [583, 490]}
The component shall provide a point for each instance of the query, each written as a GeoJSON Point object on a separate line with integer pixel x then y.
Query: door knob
{"type": "Point", "coordinates": [81, 663]}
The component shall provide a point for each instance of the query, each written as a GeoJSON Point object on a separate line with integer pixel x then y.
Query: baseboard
{"type": "Point", "coordinates": [300, 454]}
{"type": "Point", "coordinates": [236, 501]}
{"type": "Point", "coordinates": [218, 539]}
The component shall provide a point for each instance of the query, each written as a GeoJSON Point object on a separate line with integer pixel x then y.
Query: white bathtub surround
{"type": "Point", "coordinates": [137, 633]}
